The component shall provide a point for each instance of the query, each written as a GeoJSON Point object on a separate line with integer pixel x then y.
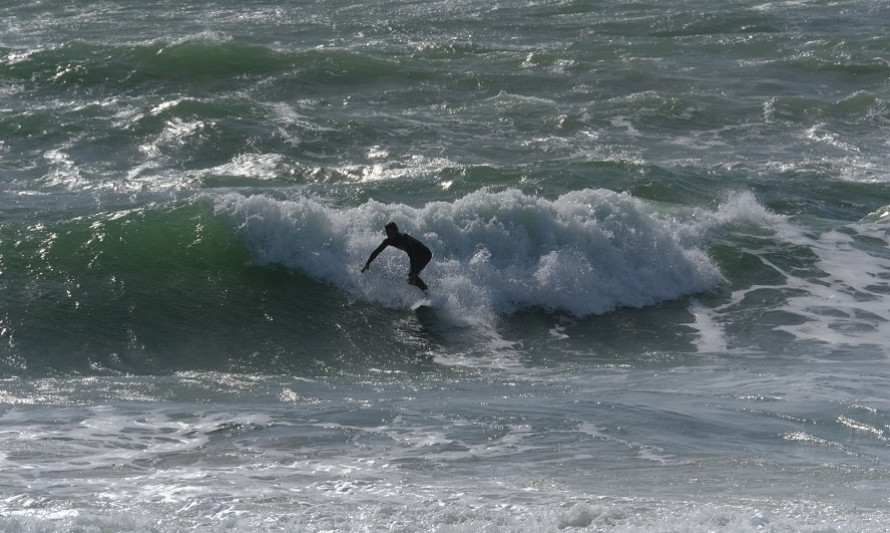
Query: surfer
{"type": "Point", "coordinates": [419, 254]}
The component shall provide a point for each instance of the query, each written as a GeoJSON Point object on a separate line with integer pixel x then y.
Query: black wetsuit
{"type": "Point", "coordinates": [419, 254]}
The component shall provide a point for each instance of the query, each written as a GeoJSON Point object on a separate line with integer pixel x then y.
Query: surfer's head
{"type": "Point", "coordinates": [391, 229]}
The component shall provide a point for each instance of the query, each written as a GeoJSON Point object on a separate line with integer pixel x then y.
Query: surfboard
{"type": "Point", "coordinates": [422, 304]}
{"type": "Point", "coordinates": [428, 302]}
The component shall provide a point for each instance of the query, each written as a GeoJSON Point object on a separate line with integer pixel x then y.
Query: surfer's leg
{"type": "Point", "coordinates": [422, 262]}
{"type": "Point", "coordinates": [418, 264]}
{"type": "Point", "coordinates": [414, 279]}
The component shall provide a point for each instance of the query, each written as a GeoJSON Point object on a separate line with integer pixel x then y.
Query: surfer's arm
{"type": "Point", "coordinates": [374, 255]}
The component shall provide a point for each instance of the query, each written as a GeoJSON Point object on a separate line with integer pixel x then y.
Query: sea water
{"type": "Point", "coordinates": [659, 295]}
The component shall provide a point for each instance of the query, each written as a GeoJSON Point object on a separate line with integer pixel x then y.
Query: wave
{"type": "Point", "coordinates": [232, 280]}
{"type": "Point", "coordinates": [197, 61]}
{"type": "Point", "coordinates": [586, 252]}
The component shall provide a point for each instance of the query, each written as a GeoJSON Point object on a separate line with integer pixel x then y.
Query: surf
{"type": "Point", "coordinates": [586, 252]}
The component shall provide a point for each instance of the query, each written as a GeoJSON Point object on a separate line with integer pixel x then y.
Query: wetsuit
{"type": "Point", "coordinates": [419, 254]}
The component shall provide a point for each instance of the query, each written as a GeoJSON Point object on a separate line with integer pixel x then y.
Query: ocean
{"type": "Point", "coordinates": [659, 295]}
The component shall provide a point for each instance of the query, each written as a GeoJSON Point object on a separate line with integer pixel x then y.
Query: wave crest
{"type": "Point", "coordinates": [586, 252]}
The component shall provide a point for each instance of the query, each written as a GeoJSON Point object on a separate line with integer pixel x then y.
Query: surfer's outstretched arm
{"type": "Point", "coordinates": [374, 255]}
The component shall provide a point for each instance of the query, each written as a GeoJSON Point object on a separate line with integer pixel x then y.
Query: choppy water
{"type": "Point", "coordinates": [659, 288]}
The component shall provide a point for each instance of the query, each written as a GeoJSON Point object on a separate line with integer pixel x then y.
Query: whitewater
{"type": "Point", "coordinates": [658, 294]}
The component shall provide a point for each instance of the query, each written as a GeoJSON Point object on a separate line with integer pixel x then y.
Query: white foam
{"type": "Point", "coordinates": [350, 504]}
{"type": "Point", "coordinates": [711, 338]}
{"type": "Point", "coordinates": [254, 165]}
{"type": "Point", "coordinates": [847, 305]}
{"type": "Point", "coordinates": [385, 170]}
{"type": "Point", "coordinates": [585, 252]}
